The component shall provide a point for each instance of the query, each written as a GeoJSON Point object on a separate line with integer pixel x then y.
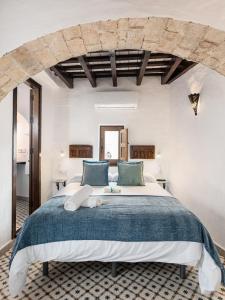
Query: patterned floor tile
{"type": "Point", "coordinates": [127, 295]}
{"type": "Point", "coordinates": [87, 296]}
{"type": "Point", "coordinates": [97, 291]}
{"type": "Point", "coordinates": [147, 294]}
{"type": "Point", "coordinates": [77, 292]}
{"type": "Point", "coordinates": [218, 296]}
{"type": "Point", "coordinates": [107, 296]}
{"type": "Point", "coordinates": [135, 288]}
{"type": "Point", "coordinates": [116, 289]}
{"type": "Point", "coordinates": [66, 297]}
{"type": "Point", "coordinates": [185, 292]}
{"type": "Point", "coordinates": [22, 211]}
{"type": "Point", "coordinates": [166, 293]}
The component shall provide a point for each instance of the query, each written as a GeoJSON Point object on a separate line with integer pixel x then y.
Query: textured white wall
{"type": "Point", "coordinates": [45, 16]}
{"type": "Point", "coordinates": [5, 169]}
{"type": "Point", "coordinates": [197, 160]}
{"type": "Point", "coordinates": [77, 120]}
{"type": "Point", "coordinates": [51, 95]}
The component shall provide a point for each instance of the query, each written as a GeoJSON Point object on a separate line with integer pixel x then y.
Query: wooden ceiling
{"type": "Point", "coordinates": [122, 63]}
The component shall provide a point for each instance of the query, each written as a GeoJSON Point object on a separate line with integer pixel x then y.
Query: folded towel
{"type": "Point", "coordinates": [112, 189]}
{"type": "Point", "coordinates": [73, 202]}
{"type": "Point", "coordinates": [93, 202]}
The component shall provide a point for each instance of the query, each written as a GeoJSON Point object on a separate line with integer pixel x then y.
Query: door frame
{"type": "Point", "coordinates": [34, 151]}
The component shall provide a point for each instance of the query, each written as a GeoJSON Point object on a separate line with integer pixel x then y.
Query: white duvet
{"type": "Point", "coordinates": [187, 253]}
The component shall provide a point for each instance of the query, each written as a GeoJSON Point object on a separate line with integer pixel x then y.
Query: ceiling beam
{"type": "Point", "coordinates": [108, 75]}
{"type": "Point", "coordinates": [143, 67]}
{"type": "Point", "coordinates": [87, 72]}
{"type": "Point", "coordinates": [113, 67]}
{"type": "Point", "coordinates": [119, 57]}
{"type": "Point", "coordinates": [67, 80]}
{"type": "Point", "coordinates": [182, 72]}
{"type": "Point", "coordinates": [133, 71]}
{"type": "Point", "coordinates": [172, 69]}
{"type": "Point", "coordinates": [119, 65]}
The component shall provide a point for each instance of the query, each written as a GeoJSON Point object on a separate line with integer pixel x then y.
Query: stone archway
{"type": "Point", "coordinates": [192, 41]}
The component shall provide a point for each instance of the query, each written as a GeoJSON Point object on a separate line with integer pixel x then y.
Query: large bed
{"type": "Point", "coordinates": [139, 224]}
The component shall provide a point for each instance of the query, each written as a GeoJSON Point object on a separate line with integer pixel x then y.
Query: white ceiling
{"type": "Point", "coordinates": [23, 20]}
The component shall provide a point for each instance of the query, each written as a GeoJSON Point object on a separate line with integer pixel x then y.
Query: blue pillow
{"type": "Point", "coordinates": [95, 173]}
{"type": "Point", "coordinates": [130, 173]}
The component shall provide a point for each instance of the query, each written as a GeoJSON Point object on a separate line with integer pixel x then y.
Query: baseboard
{"type": "Point", "coordinates": [6, 247]}
{"type": "Point", "coordinates": [220, 250]}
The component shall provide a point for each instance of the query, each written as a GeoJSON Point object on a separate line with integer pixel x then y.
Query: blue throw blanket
{"type": "Point", "coordinates": [123, 218]}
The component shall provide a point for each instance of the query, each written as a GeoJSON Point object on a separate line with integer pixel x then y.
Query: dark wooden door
{"type": "Point", "coordinates": [35, 150]}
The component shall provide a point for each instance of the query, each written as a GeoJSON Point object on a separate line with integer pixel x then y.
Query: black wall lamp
{"type": "Point", "coordinates": [194, 99]}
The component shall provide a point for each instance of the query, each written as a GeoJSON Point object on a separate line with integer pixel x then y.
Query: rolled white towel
{"type": "Point", "coordinates": [74, 202]}
{"type": "Point", "coordinates": [92, 203]}
{"type": "Point", "coordinates": [112, 189]}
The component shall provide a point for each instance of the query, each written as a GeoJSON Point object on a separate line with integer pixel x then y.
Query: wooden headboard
{"type": "Point", "coordinates": [80, 151]}
{"type": "Point", "coordinates": [142, 152]}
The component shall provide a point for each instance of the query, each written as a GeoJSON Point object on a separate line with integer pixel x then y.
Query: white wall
{"type": "Point", "coordinates": [78, 122]}
{"type": "Point", "coordinates": [197, 153]}
{"type": "Point", "coordinates": [45, 16]}
{"type": "Point", "coordinates": [5, 169]}
{"type": "Point", "coordinates": [51, 95]}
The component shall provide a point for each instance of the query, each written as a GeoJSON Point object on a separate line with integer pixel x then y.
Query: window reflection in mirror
{"type": "Point", "coordinates": [111, 144]}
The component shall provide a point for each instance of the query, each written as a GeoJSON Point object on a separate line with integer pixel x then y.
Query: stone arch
{"type": "Point", "coordinates": [188, 40]}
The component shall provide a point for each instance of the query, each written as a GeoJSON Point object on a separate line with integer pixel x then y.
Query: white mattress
{"type": "Point", "coordinates": [187, 253]}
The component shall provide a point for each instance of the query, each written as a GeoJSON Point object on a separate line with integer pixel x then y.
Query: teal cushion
{"type": "Point", "coordinates": [130, 173]}
{"type": "Point", "coordinates": [95, 173]}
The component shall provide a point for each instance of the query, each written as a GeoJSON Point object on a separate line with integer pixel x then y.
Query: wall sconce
{"type": "Point", "coordinates": [194, 99]}
{"type": "Point", "coordinates": [158, 155]}
{"type": "Point", "coordinates": [62, 154]}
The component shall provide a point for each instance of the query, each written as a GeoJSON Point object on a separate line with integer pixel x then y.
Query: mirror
{"type": "Point", "coordinates": [111, 145]}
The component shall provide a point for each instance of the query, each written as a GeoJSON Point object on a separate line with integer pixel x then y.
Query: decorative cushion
{"type": "Point", "coordinates": [130, 173]}
{"type": "Point", "coordinates": [95, 173]}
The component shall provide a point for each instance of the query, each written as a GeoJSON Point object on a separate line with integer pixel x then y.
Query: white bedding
{"type": "Point", "coordinates": [187, 253]}
{"type": "Point", "coordinates": [153, 189]}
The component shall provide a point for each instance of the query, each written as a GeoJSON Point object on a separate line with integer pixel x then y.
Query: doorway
{"type": "Point", "coordinates": [26, 152]}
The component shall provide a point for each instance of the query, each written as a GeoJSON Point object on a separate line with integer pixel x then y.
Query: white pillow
{"type": "Point", "coordinates": [76, 178]}
{"type": "Point", "coordinates": [149, 178]}
{"type": "Point", "coordinates": [113, 177]}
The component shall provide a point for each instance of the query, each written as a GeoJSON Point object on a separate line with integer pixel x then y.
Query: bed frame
{"type": "Point", "coordinates": [114, 271]}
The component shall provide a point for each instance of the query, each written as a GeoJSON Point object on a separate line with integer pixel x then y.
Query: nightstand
{"type": "Point", "coordinates": [163, 182]}
{"type": "Point", "coordinates": [59, 182]}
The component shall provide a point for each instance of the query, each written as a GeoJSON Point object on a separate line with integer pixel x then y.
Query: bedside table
{"type": "Point", "coordinates": [59, 182]}
{"type": "Point", "coordinates": [163, 182]}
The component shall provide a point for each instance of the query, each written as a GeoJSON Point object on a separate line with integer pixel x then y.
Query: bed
{"type": "Point", "coordinates": [140, 224]}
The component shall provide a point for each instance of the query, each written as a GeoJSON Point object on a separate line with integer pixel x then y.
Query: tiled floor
{"type": "Point", "coordinates": [93, 280]}
{"type": "Point", "coordinates": [22, 210]}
